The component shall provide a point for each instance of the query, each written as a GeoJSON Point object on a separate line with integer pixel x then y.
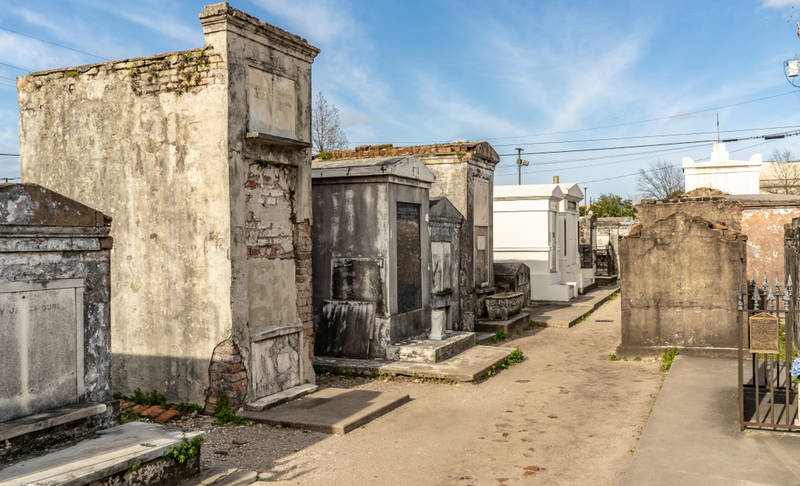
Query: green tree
{"type": "Point", "coordinates": [610, 205]}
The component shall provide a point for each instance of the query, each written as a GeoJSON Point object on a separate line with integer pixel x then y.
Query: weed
{"type": "Point", "coordinates": [185, 450]}
{"type": "Point", "coordinates": [513, 358]}
{"type": "Point", "coordinates": [613, 296]}
{"type": "Point", "coordinates": [152, 398]}
{"type": "Point", "coordinates": [461, 153]}
{"type": "Point", "coordinates": [667, 357]}
{"type": "Point", "coordinates": [131, 469]}
{"type": "Point", "coordinates": [638, 358]}
{"type": "Point", "coordinates": [499, 337]}
{"type": "Point", "coordinates": [129, 417]}
{"type": "Point", "coordinates": [325, 155]}
{"type": "Point", "coordinates": [224, 414]}
{"type": "Point", "coordinates": [72, 74]}
{"type": "Point", "coordinates": [613, 357]}
{"type": "Point", "coordinates": [116, 396]}
{"type": "Point", "coordinates": [265, 163]}
{"type": "Point", "coordinates": [187, 407]}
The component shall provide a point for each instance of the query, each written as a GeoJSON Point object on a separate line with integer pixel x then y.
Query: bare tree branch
{"type": "Point", "coordinates": [660, 181]}
{"type": "Point", "coordinates": [783, 175]}
{"type": "Point", "coordinates": [326, 130]}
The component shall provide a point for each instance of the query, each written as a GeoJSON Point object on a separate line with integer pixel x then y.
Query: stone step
{"type": "Point", "coordinates": [223, 477]}
{"type": "Point", "coordinates": [423, 350]}
{"type": "Point", "coordinates": [134, 450]}
{"type": "Point", "coordinates": [513, 326]}
{"type": "Point", "coordinates": [281, 397]}
{"type": "Point", "coordinates": [484, 337]}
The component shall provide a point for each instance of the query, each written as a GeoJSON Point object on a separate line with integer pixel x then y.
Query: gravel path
{"type": "Point", "coordinates": [566, 415]}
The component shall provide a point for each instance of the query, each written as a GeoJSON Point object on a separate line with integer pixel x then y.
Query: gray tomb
{"type": "Point", "coordinates": [371, 254]}
{"type": "Point", "coordinates": [445, 228]}
{"type": "Point", "coordinates": [54, 319]}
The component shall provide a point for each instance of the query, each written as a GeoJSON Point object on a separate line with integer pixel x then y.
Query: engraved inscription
{"type": "Point", "coordinates": [764, 334]}
{"type": "Point", "coordinates": [41, 340]}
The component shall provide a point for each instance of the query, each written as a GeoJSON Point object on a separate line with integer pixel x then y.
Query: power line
{"type": "Point", "coordinates": [642, 136]}
{"type": "Point", "coordinates": [15, 66]}
{"type": "Point", "coordinates": [661, 144]}
{"type": "Point", "coordinates": [10, 155]}
{"type": "Point", "coordinates": [662, 168]}
{"type": "Point", "coordinates": [55, 44]}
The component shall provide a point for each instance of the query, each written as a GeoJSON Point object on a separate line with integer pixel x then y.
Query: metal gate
{"type": "Point", "coordinates": [767, 394]}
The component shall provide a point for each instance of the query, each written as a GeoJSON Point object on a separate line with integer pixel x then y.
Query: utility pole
{"type": "Point", "coordinates": [717, 127]}
{"type": "Point", "coordinates": [520, 164]}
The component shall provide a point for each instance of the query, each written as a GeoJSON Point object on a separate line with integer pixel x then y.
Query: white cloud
{"type": "Point", "coordinates": [154, 16]}
{"type": "Point", "coordinates": [33, 55]}
{"type": "Point", "coordinates": [780, 3]}
{"type": "Point", "coordinates": [321, 21]}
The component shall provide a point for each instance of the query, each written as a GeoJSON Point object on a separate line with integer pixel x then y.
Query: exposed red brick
{"type": "Point", "coordinates": [167, 415]}
{"type": "Point", "coordinates": [152, 412]}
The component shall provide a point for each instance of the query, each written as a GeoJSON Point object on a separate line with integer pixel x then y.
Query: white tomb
{"type": "Point", "coordinates": [730, 176]}
{"type": "Point", "coordinates": [538, 224]}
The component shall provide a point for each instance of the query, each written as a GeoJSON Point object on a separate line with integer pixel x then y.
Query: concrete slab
{"type": "Point", "coordinates": [513, 326]}
{"type": "Point", "coordinates": [48, 419]}
{"type": "Point", "coordinates": [553, 314]}
{"type": "Point", "coordinates": [693, 437]}
{"type": "Point", "coordinates": [281, 397]}
{"type": "Point", "coordinates": [426, 350]}
{"type": "Point", "coordinates": [331, 410]}
{"type": "Point", "coordinates": [113, 451]}
{"type": "Point", "coordinates": [467, 366]}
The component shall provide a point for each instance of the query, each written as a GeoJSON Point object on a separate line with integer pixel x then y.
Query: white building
{"type": "Point", "coordinates": [730, 176]}
{"type": "Point", "coordinates": [538, 224]}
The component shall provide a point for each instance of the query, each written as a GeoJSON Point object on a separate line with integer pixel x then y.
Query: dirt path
{"type": "Point", "coordinates": [567, 413]}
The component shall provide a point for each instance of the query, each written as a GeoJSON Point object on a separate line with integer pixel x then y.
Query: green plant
{"type": "Point", "coordinates": [499, 337]}
{"type": "Point", "coordinates": [325, 155]}
{"type": "Point", "coordinates": [187, 407]}
{"type": "Point", "coordinates": [72, 74]}
{"type": "Point", "coordinates": [515, 357]}
{"type": "Point", "coordinates": [613, 296]}
{"type": "Point", "coordinates": [613, 357]}
{"type": "Point", "coordinates": [184, 451]}
{"type": "Point", "coordinates": [152, 398]}
{"type": "Point", "coordinates": [667, 357]}
{"type": "Point", "coordinates": [129, 417]}
{"type": "Point", "coordinates": [131, 469]}
{"type": "Point", "coordinates": [461, 153]}
{"type": "Point", "coordinates": [224, 414]}
{"type": "Point", "coordinates": [638, 358]}
{"type": "Point", "coordinates": [116, 396]}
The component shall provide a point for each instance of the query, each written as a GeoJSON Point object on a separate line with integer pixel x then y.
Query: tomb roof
{"type": "Point", "coordinates": [529, 191]}
{"type": "Point", "coordinates": [441, 207]}
{"type": "Point", "coordinates": [33, 205]}
{"type": "Point", "coordinates": [461, 150]}
{"type": "Point", "coordinates": [408, 167]}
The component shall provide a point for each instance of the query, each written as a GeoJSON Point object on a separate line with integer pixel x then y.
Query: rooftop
{"type": "Point", "coordinates": [461, 150]}
{"type": "Point", "coordinates": [408, 167]}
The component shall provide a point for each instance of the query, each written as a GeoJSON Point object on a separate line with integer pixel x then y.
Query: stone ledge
{"type": "Point", "coordinates": [281, 397]}
{"type": "Point", "coordinates": [424, 350]}
{"type": "Point", "coordinates": [51, 418]}
{"type": "Point", "coordinates": [113, 452]}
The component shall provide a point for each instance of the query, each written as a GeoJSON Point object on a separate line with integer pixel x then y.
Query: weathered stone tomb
{"type": "Point", "coordinates": [680, 279]}
{"type": "Point", "coordinates": [445, 228]}
{"type": "Point", "coordinates": [371, 257]}
{"type": "Point", "coordinates": [464, 174]}
{"type": "Point", "coordinates": [202, 157]}
{"type": "Point", "coordinates": [55, 381]}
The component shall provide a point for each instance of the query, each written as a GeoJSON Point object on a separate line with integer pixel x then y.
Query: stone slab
{"type": "Point", "coordinates": [467, 366]}
{"type": "Point", "coordinates": [484, 337]}
{"type": "Point", "coordinates": [693, 437]}
{"type": "Point", "coordinates": [550, 314]}
{"type": "Point", "coordinates": [48, 419]}
{"type": "Point", "coordinates": [114, 450]}
{"type": "Point", "coordinates": [425, 350]}
{"type": "Point", "coordinates": [331, 410]}
{"type": "Point", "coordinates": [512, 326]}
{"type": "Point", "coordinates": [281, 397]}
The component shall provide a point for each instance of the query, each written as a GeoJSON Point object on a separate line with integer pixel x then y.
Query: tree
{"type": "Point", "coordinates": [783, 174]}
{"type": "Point", "coordinates": [661, 180]}
{"type": "Point", "coordinates": [326, 130]}
{"type": "Point", "coordinates": [610, 206]}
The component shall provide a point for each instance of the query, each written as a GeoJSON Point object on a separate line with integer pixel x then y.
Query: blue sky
{"type": "Point", "coordinates": [513, 73]}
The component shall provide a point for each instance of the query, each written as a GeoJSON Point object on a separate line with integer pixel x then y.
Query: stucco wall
{"type": "Point", "coordinates": [680, 279]}
{"type": "Point", "coordinates": [765, 246]}
{"type": "Point", "coordinates": [153, 159]}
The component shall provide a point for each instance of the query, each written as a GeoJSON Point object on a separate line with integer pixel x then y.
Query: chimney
{"type": "Point", "coordinates": [555, 179]}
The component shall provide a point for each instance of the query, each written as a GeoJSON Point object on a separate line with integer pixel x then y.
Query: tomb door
{"type": "Point", "coordinates": [409, 258]}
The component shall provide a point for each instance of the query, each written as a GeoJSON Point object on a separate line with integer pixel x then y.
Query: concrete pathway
{"type": "Point", "coordinates": [566, 415]}
{"type": "Point", "coordinates": [693, 434]}
{"type": "Point", "coordinates": [554, 314]}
